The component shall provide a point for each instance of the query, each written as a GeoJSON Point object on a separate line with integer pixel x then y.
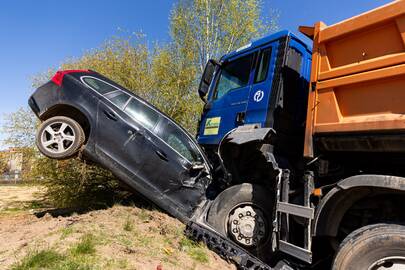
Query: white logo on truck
{"type": "Point", "coordinates": [258, 96]}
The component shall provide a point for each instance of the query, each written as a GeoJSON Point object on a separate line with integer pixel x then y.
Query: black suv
{"type": "Point", "coordinates": [84, 112]}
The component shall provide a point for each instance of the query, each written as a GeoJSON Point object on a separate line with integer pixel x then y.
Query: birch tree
{"type": "Point", "coordinates": [204, 29]}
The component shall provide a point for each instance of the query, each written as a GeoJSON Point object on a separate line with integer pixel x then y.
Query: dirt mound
{"type": "Point", "coordinates": [120, 237]}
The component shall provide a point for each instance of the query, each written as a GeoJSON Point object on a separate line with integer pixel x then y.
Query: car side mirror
{"type": "Point", "coordinates": [206, 78]}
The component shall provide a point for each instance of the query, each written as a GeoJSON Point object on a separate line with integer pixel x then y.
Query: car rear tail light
{"type": "Point", "coordinates": [58, 77]}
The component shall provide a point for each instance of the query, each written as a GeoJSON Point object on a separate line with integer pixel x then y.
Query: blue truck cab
{"type": "Point", "coordinates": [263, 83]}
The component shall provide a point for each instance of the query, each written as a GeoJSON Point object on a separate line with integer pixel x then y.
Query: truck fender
{"type": "Point", "coordinates": [337, 201]}
{"type": "Point", "coordinates": [244, 135]}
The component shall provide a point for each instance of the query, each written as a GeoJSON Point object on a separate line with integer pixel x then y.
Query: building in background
{"type": "Point", "coordinates": [11, 164]}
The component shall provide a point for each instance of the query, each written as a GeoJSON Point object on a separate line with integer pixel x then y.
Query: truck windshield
{"type": "Point", "coordinates": [234, 74]}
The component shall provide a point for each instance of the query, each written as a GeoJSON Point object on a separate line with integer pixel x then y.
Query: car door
{"type": "Point", "coordinates": [178, 187]}
{"type": "Point", "coordinates": [118, 136]}
{"type": "Point", "coordinates": [227, 103]}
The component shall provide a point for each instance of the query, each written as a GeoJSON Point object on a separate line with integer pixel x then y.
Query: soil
{"type": "Point", "coordinates": [125, 237]}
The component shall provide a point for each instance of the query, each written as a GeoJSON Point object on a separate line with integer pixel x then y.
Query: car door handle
{"type": "Point", "coordinates": [162, 155]}
{"type": "Point", "coordinates": [135, 132]}
{"type": "Point", "coordinates": [110, 115]}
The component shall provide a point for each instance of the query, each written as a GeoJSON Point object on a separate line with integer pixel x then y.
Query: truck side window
{"type": "Point", "coordinates": [263, 67]}
{"type": "Point", "coordinates": [234, 74]}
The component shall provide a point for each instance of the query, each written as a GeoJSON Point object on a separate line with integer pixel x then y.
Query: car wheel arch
{"type": "Point", "coordinates": [333, 207]}
{"type": "Point", "coordinates": [79, 115]}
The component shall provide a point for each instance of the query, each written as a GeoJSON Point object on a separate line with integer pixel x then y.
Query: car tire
{"type": "Point", "coordinates": [373, 247]}
{"type": "Point", "coordinates": [60, 137]}
{"type": "Point", "coordinates": [238, 200]}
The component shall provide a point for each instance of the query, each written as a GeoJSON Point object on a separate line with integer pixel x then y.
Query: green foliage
{"type": "Point", "coordinates": [166, 75]}
{"type": "Point", "coordinates": [204, 29]}
{"type": "Point", "coordinates": [20, 128]}
{"type": "Point", "coordinates": [3, 163]}
{"type": "Point", "coordinates": [193, 249]}
{"type": "Point", "coordinates": [39, 260]}
{"type": "Point", "coordinates": [86, 246]}
{"type": "Point", "coordinates": [128, 225]}
{"type": "Point", "coordinates": [72, 183]}
{"type": "Point", "coordinates": [49, 259]}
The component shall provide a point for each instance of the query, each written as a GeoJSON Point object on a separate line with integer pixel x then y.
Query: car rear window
{"type": "Point", "coordinates": [142, 113]}
{"type": "Point", "coordinates": [98, 85]}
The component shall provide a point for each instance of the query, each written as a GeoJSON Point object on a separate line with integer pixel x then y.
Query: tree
{"type": "Point", "coordinates": [165, 75]}
{"type": "Point", "coordinates": [3, 163]}
{"type": "Point", "coordinates": [204, 29]}
{"type": "Point", "coordinates": [20, 128]}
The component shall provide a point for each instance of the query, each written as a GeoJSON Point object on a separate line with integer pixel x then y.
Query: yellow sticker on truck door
{"type": "Point", "coordinates": [212, 126]}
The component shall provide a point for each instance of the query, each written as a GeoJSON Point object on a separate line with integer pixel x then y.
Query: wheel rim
{"type": "Point", "coordinates": [247, 225]}
{"type": "Point", "coordinates": [58, 137]}
{"type": "Point", "coordinates": [391, 263]}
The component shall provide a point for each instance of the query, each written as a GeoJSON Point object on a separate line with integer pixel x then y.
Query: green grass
{"type": "Point", "coordinates": [36, 204]}
{"type": "Point", "coordinates": [49, 259]}
{"type": "Point", "coordinates": [65, 232]}
{"type": "Point", "coordinates": [86, 246]}
{"type": "Point", "coordinates": [128, 225]}
{"type": "Point", "coordinates": [194, 250]}
{"type": "Point", "coordinates": [39, 259]}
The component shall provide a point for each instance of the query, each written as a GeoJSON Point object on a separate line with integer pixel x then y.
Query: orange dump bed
{"type": "Point", "coordinates": [358, 81]}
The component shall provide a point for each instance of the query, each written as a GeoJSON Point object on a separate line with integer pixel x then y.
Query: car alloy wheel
{"type": "Point", "coordinates": [58, 137]}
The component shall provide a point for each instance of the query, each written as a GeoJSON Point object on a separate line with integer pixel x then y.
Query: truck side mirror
{"type": "Point", "coordinates": [207, 78]}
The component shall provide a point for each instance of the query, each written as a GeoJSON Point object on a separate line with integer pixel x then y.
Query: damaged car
{"type": "Point", "coordinates": [84, 113]}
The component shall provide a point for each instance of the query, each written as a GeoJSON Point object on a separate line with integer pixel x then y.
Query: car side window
{"type": "Point", "coordinates": [234, 74]}
{"type": "Point", "coordinates": [263, 67]}
{"type": "Point", "coordinates": [98, 85]}
{"type": "Point", "coordinates": [178, 140]}
{"type": "Point", "coordinates": [142, 113]}
{"type": "Point", "coordinates": [118, 99]}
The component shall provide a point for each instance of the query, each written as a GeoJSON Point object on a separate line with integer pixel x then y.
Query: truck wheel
{"type": "Point", "coordinates": [373, 247]}
{"type": "Point", "coordinates": [60, 137]}
{"type": "Point", "coordinates": [243, 213]}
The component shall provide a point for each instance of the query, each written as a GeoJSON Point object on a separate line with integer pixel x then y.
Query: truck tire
{"type": "Point", "coordinates": [243, 213]}
{"type": "Point", "coordinates": [373, 247]}
{"type": "Point", "coordinates": [60, 137]}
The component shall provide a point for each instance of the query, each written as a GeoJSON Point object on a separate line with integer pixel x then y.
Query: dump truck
{"type": "Point", "coordinates": [309, 147]}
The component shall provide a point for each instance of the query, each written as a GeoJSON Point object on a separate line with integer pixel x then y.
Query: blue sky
{"type": "Point", "coordinates": [37, 35]}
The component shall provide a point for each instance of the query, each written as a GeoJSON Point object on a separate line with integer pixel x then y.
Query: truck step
{"type": "Point", "coordinates": [296, 210]}
{"type": "Point", "coordinates": [295, 251]}
{"type": "Point", "coordinates": [229, 250]}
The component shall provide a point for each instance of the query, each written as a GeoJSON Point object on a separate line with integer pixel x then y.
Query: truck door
{"type": "Point", "coordinates": [227, 102]}
{"type": "Point", "coordinates": [260, 93]}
